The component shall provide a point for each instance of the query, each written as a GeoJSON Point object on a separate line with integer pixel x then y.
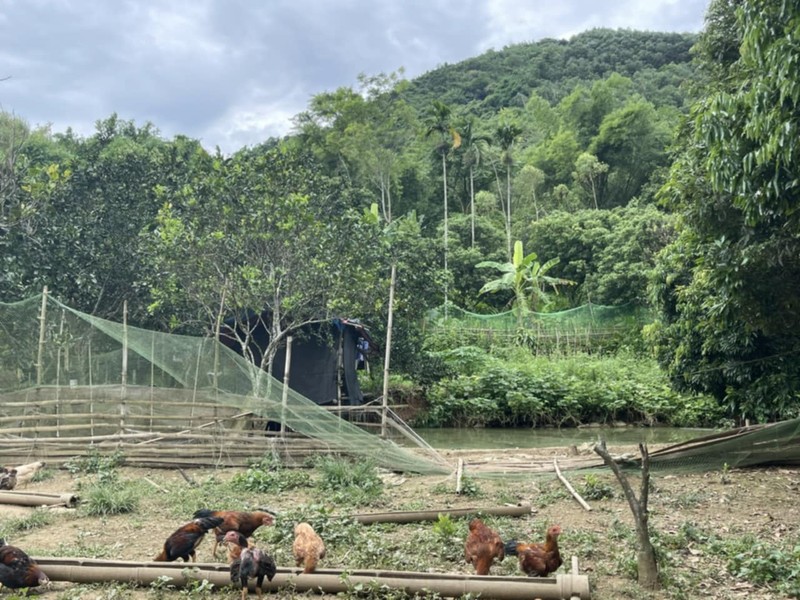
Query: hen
{"type": "Point", "coordinates": [184, 540]}
{"type": "Point", "coordinates": [482, 547]}
{"type": "Point", "coordinates": [308, 548]}
{"type": "Point", "coordinates": [234, 541]}
{"type": "Point", "coordinates": [538, 559]}
{"type": "Point", "coordinates": [18, 570]}
{"type": "Point", "coordinates": [234, 520]}
{"type": "Point", "coordinates": [8, 479]}
{"type": "Point", "coordinates": [253, 563]}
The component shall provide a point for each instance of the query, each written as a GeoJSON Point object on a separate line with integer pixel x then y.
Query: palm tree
{"type": "Point", "coordinates": [526, 277]}
{"type": "Point", "coordinates": [505, 135]}
{"type": "Point", "coordinates": [474, 145]}
{"type": "Point", "coordinates": [438, 123]}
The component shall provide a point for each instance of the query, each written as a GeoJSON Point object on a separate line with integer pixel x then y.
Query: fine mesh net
{"type": "Point", "coordinates": [577, 328]}
{"type": "Point", "coordinates": [68, 376]}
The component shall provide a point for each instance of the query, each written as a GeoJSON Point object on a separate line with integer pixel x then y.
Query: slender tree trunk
{"type": "Point", "coordinates": [647, 566]}
{"type": "Point", "coordinates": [508, 209]}
{"type": "Point", "coordinates": [472, 202]}
{"type": "Point", "coordinates": [444, 188]}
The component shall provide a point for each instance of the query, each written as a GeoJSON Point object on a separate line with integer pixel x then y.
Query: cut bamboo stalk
{"type": "Point", "coordinates": [569, 487]}
{"type": "Point", "coordinates": [518, 510]}
{"type": "Point", "coordinates": [326, 581]}
{"type": "Point", "coordinates": [459, 474]}
{"type": "Point", "coordinates": [38, 499]}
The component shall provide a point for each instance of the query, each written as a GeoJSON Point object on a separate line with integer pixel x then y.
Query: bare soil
{"type": "Point", "coordinates": [726, 506]}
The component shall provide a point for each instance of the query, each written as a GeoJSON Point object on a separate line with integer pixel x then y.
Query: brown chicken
{"type": "Point", "coordinates": [482, 547]}
{"type": "Point", "coordinates": [234, 520]}
{"type": "Point", "coordinates": [308, 548]}
{"type": "Point", "coordinates": [18, 570]}
{"type": "Point", "coordinates": [538, 559]}
{"type": "Point", "coordinates": [253, 563]}
{"type": "Point", "coordinates": [184, 540]}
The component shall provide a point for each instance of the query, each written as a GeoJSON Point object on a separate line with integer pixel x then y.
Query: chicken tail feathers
{"type": "Point", "coordinates": [510, 548]}
{"type": "Point", "coordinates": [203, 513]}
{"type": "Point", "coordinates": [207, 523]}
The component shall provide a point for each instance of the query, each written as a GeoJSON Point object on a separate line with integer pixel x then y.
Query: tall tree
{"type": "Point", "coordinates": [505, 135]}
{"type": "Point", "coordinates": [729, 287]}
{"type": "Point", "coordinates": [473, 145]}
{"type": "Point", "coordinates": [438, 124]}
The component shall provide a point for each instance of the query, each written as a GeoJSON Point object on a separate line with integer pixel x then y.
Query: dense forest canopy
{"type": "Point", "coordinates": [559, 147]}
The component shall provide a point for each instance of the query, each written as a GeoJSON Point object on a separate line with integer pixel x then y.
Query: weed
{"type": "Point", "coordinates": [38, 518]}
{"type": "Point", "coordinates": [470, 488]}
{"type": "Point", "coordinates": [110, 496]}
{"type": "Point", "coordinates": [95, 462]}
{"type": "Point", "coordinates": [269, 475]}
{"type": "Point", "coordinates": [351, 482]}
{"type": "Point", "coordinates": [444, 527]}
{"type": "Point", "coordinates": [595, 488]}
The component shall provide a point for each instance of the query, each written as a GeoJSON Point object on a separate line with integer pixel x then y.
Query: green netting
{"type": "Point", "coordinates": [589, 318]}
{"type": "Point", "coordinates": [64, 372]}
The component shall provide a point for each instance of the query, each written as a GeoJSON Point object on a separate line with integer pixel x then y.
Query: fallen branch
{"type": "Point", "coordinates": [569, 487]}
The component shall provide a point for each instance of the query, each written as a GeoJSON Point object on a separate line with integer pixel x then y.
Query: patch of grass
{"type": "Point", "coordinates": [350, 482]}
{"type": "Point", "coordinates": [95, 462]}
{"type": "Point", "coordinates": [110, 496]}
{"type": "Point", "coordinates": [470, 488]}
{"type": "Point", "coordinates": [763, 563]}
{"type": "Point", "coordinates": [269, 475]}
{"type": "Point", "coordinates": [38, 518]}
{"type": "Point", "coordinates": [86, 547]}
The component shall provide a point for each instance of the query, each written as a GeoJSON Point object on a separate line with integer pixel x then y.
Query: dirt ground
{"type": "Point", "coordinates": [729, 505]}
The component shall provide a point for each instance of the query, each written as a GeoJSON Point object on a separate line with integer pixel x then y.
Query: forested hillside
{"type": "Point", "coordinates": [526, 178]}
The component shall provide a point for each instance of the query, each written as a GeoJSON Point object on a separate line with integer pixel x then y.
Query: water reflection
{"type": "Point", "coordinates": [542, 438]}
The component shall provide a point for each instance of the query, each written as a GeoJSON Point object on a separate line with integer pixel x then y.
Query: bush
{"type": "Point", "coordinates": [518, 389]}
{"type": "Point", "coordinates": [269, 475]}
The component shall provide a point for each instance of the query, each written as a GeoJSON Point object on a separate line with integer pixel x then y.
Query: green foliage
{"type": "Point", "coordinates": [38, 518]}
{"type": "Point", "coordinates": [95, 462]}
{"type": "Point", "coordinates": [525, 390]}
{"type": "Point", "coordinates": [594, 488]}
{"type": "Point", "coordinates": [109, 495]}
{"type": "Point", "coordinates": [763, 563]}
{"type": "Point", "coordinates": [444, 527]}
{"type": "Point", "coordinates": [349, 481]}
{"type": "Point", "coordinates": [727, 288]}
{"type": "Point", "coordinates": [270, 476]}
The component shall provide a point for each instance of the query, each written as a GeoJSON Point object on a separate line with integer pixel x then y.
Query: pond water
{"type": "Point", "coordinates": [542, 438]}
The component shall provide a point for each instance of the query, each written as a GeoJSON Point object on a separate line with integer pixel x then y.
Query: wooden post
{"type": "Point", "coordinates": [152, 375]}
{"type": "Point", "coordinates": [124, 376]}
{"type": "Point", "coordinates": [58, 375]}
{"type": "Point", "coordinates": [459, 475]}
{"type": "Point", "coordinates": [40, 354]}
{"type": "Point", "coordinates": [387, 354]}
{"type": "Point", "coordinates": [287, 367]}
{"type": "Point", "coordinates": [91, 392]}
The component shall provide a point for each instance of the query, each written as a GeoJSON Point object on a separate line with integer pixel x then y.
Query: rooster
{"type": "Point", "coordinates": [18, 570]}
{"type": "Point", "coordinates": [538, 559]}
{"type": "Point", "coordinates": [234, 520]}
{"type": "Point", "coordinates": [308, 548]}
{"type": "Point", "coordinates": [253, 563]}
{"type": "Point", "coordinates": [483, 545]}
{"type": "Point", "coordinates": [184, 540]}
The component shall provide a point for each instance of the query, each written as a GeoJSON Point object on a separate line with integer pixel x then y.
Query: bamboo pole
{"type": "Point", "coordinates": [38, 499]}
{"type": "Point", "coordinates": [42, 324]}
{"type": "Point", "coordinates": [287, 368]}
{"type": "Point", "coordinates": [569, 487]}
{"type": "Point", "coordinates": [124, 376]}
{"type": "Point", "coordinates": [387, 355]}
{"type": "Point", "coordinates": [518, 510]}
{"type": "Point", "coordinates": [326, 581]}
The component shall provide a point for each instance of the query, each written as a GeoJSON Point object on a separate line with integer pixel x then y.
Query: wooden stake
{"type": "Point", "coordinates": [459, 475]}
{"type": "Point", "coordinates": [569, 487]}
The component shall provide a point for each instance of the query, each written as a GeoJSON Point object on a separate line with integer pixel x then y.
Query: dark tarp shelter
{"type": "Point", "coordinates": [318, 352]}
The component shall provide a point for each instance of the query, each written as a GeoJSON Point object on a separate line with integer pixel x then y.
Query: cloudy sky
{"type": "Point", "coordinates": [234, 72]}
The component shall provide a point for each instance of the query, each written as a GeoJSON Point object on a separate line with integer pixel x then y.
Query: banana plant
{"type": "Point", "coordinates": [526, 276]}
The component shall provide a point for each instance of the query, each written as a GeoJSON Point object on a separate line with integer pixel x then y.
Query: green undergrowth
{"type": "Point", "coordinates": [510, 387]}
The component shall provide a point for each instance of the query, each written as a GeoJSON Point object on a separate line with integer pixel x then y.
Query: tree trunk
{"type": "Point", "coordinates": [647, 565]}
{"type": "Point", "coordinates": [472, 202]}
{"type": "Point", "coordinates": [444, 187]}
{"type": "Point", "coordinates": [388, 353]}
